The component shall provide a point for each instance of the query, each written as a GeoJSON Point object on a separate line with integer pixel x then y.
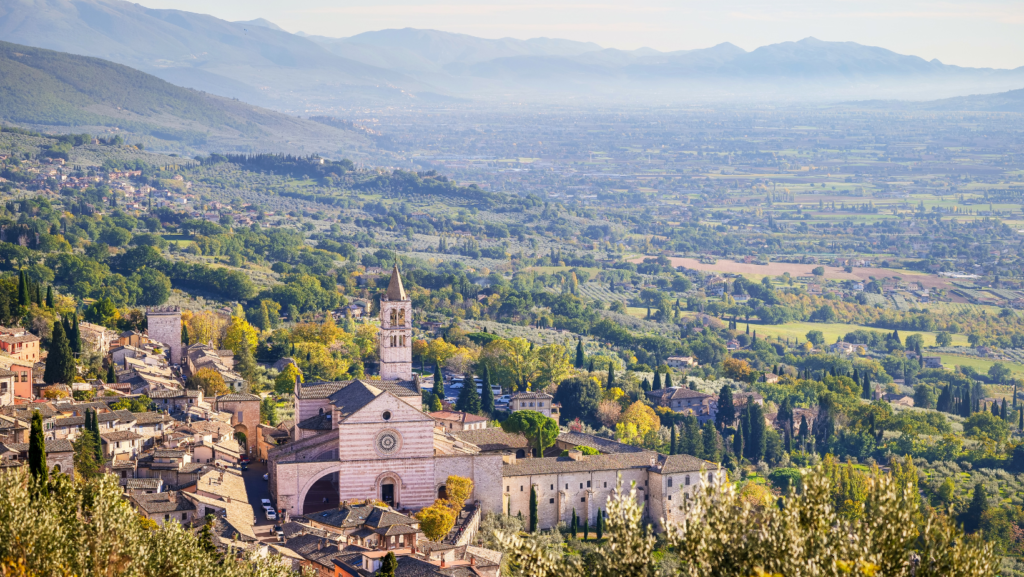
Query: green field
{"type": "Point", "coordinates": [833, 331]}
{"type": "Point", "coordinates": [980, 365]}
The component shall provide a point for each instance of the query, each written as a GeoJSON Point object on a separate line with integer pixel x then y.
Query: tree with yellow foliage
{"type": "Point", "coordinates": [439, 351]}
{"type": "Point", "coordinates": [553, 365]}
{"type": "Point", "coordinates": [240, 334]}
{"type": "Point", "coordinates": [285, 382]}
{"type": "Point", "coordinates": [636, 423]}
{"type": "Point", "coordinates": [205, 327]}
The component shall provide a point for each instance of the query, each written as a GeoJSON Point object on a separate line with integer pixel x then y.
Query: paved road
{"type": "Point", "coordinates": [256, 488]}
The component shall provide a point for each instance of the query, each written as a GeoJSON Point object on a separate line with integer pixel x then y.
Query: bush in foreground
{"type": "Point", "coordinates": [802, 535]}
{"type": "Point", "coordinates": [85, 528]}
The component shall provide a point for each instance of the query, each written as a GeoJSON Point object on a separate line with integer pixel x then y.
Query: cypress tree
{"type": "Point", "coordinates": [672, 443]}
{"type": "Point", "coordinates": [803, 430]}
{"type": "Point", "coordinates": [184, 334]}
{"type": "Point", "coordinates": [579, 353]}
{"type": "Point", "coordinates": [60, 363]}
{"type": "Point", "coordinates": [726, 409]}
{"type": "Point", "coordinates": [38, 296]}
{"type": "Point", "coordinates": [586, 527]}
{"type": "Point", "coordinates": [737, 443]}
{"type": "Point", "coordinates": [1020, 421]}
{"type": "Point", "coordinates": [590, 368]}
{"type": "Point", "coordinates": [600, 525]}
{"type": "Point", "coordinates": [37, 450]}
{"type": "Point", "coordinates": [758, 434]}
{"type": "Point", "coordinates": [977, 508]}
{"type": "Point", "coordinates": [995, 409]}
{"type": "Point", "coordinates": [75, 336]}
{"type": "Point", "coordinates": [111, 374]}
{"type": "Point", "coordinates": [866, 387]}
{"type": "Point", "coordinates": [388, 566]}
{"type": "Point", "coordinates": [49, 297]}
{"type": "Point", "coordinates": [657, 381]}
{"type": "Point", "coordinates": [468, 400]}
{"type": "Point", "coordinates": [488, 395]}
{"type": "Point", "coordinates": [533, 509]}
{"type": "Point", "coordinates": [611, 375]}
{"type": "Point", "coordinates": [709, 437]}
{"type": "Point", "coordinates": [645, 385]}
{"type": "Point", "coordinates": [573, 525]}
{"type": "Point", "coordinates": [23, 298]}
{"type": "Point", "coordinates": [438, 382]}
{"type": "Point", "coordinates": [668, 380]}
{"type": "Point", "coordinates": [99, 441]}
{"type": "Point", "coordinates": [1002, 411]}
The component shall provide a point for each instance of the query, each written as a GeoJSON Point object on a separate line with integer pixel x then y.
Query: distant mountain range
{"type": "Point", "coordinates": [259, 62]}
{"type": "Point", "coordinates": [55, 90]}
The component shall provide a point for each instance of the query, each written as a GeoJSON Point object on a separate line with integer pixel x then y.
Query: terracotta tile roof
{"type": "Point", "coordinates": [683, 464]}
{"type": "Point", "coordinates": [599, 443]}
{"type": "Point", "coordinates": [169, 502]}
{"type": "Point", "coordinates": [531, 395]}
{"type": "Point", "coordinates": [324, 389]}
{"type": "Point", "coordinates": [460, 416]}
{"type": "Point", "coordinates": [116, 436]}
{"type": "Point", "coordinates": [493, 439]}
{"type": "Point", "coordinates": [549, 465]}
{"type": "Point", "coordinates": [238, 397]}
{"type": "Point", "coordinates": [52, 446]}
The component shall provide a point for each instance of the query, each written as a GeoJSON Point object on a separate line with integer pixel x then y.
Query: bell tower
{"type": "Point", "coordinates": [395, 331]}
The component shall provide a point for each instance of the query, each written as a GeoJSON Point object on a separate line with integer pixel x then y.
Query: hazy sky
{"type": "Point", "coordinates": [985, 33]}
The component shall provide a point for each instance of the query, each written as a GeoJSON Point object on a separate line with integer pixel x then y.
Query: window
{"type": "Point", "coordinates": [184, 516]}
{"type": "Point", "coordinates": [583, 499]}
{"type": "Point", "coordinates": [552, 487]}
{"type": "Point", "coordinates": [239, 416]}
{"type": "Point", "coordinates": [386, 416]}
{"type": "Point", "coordinates": [551, 500]}
{"type": "Point", "coordinates": [506, 488]}
{"type": "Point", "coordinates": [167, 517]}
{"type": "Point", "coordinates": [540, 404]}
{"type": "Point", "coordinates": [520, 488]}
{"type": "Point", "coordinates": [588, 484]}
{"type": "Point", "coordinates": [581, 485]}
{"type": "Point", "coordinates": [711, 477]}
{"type": "Point", "coordinates": [670, 481]}
{"type": "Point", "coordinates": [670, 497]}
{"type": "Point", "coordinates": [686, 481]}
{"type": "Point", "coordinates": [606, 484]}
{"type": "Point", "coordinates": [567, 486]}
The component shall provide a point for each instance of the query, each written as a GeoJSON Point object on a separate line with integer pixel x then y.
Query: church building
{"type": "Point", "coordinates": [368, 438]}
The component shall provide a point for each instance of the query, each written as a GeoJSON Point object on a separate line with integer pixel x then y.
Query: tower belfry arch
{"type": "Point", "coordinates": [396, 331]}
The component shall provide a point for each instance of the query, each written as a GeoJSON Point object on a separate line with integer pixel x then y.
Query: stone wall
{"type": "Point", "coordinates": [558, 494]}
{"type": "Point", "coordinates": [485, 472]}
{"type": "Point", "coordinates": [165, 327]}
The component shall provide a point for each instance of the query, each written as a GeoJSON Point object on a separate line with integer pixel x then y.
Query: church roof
{"type": "Point", "coordinates": [324, 389]}
{"type": "Point", "coordinates": [396, 292]}
{"type": "Point", "coordinates": [353, 397]}
{"type": "Point", "coordinates": [493, 439]}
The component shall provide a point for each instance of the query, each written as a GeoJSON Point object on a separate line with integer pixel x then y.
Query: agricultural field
{"type": "Point", "coordinates": [833, 331]}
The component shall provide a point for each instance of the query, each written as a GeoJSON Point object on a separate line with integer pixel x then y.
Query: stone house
{"type": "Point", "coordinates": [540, 402]}
{"type": "Point", "coordinates": [167, 507]}
{"type": "Point", "coordinates": [459, 420]}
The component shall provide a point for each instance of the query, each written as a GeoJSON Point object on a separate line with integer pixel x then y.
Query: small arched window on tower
{"type": "Point", "coordinates": [401, 317]}
{"type": "Point", "coordinates": [394, 341]}
{"type": "Point", "coordinates": [394, 317]}
{"type": "Point", "coordinates": [401, 340]}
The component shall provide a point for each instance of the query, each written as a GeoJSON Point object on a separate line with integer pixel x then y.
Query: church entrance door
{"type": "Point", "coordinates": [387, 494]}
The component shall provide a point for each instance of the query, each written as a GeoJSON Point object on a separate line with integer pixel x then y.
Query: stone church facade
{"type": "Point", "coordinates": [369, 438]}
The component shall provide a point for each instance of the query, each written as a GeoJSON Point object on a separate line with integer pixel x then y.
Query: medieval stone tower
{"type": "Point", "coordinates": [165, 327]}
{"type": "Point", "coordinates": [395, 331]}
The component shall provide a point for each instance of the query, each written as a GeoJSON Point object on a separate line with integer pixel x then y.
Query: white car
{"type": "Point", "coordinates": [504, 399]}
{"type": "Point", "coordinates": [271, 515]}
{"type": "Point", "coordinates": [266, 503]}
{"type": "Point", "coordinates": [456, 385]}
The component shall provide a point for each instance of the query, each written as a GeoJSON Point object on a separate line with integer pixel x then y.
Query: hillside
{"type": "Point", "coordinates": [53, 89]}
{"type": "Point", "coordinates": [247, 60]}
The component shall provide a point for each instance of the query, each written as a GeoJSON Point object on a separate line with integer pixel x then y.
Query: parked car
{"type": "Point", "coordinates": [452, 400]}
{"type": "Point", "coordinates": [278, 531]}
{"type": "Point", "coordinates": [456, 385]}
{"type": "Point", "coordinates": [266, 503]}
{"type": "Point", "coordinates": [504, 399]}
{"type": "Point", "coordinates": [271, 515]}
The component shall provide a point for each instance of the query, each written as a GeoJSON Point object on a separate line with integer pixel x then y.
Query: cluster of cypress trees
{"type": "Point", "coordinates": [694, 439]}
{"type": "Point", "coordinates": [60, 363]}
